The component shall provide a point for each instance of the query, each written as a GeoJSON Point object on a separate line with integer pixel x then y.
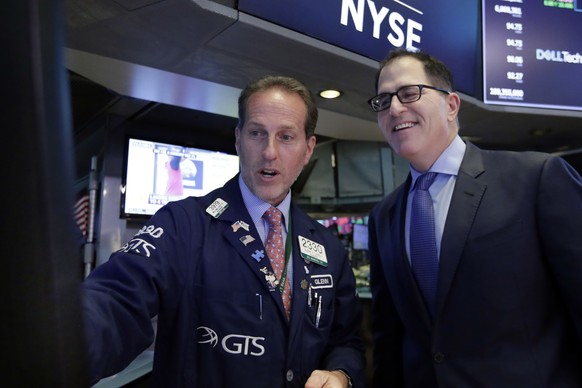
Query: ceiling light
{"type": "Point", "coordinates": [330, 93]}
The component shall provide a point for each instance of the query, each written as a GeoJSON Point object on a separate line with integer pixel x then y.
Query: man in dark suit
{"type": "Point", "coordinates": [494, 299]}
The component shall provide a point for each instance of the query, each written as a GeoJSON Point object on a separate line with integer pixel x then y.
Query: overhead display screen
{"type": "Point", "coordinates": [448, 29]}
{"type": "Point", "coordinates": [532, 53]}
{"type": "Point", "coordinates": [157, 173]}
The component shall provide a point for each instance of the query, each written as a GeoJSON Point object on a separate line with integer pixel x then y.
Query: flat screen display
{"type": "Point", "coordinates": [360, 236]}
{"type": "Point", "coordinates": [157, 173]}
{"type": "Point", "coordinates": [532, 53]}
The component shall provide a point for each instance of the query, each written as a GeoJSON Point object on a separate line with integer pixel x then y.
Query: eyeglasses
{"type": "Point", "coordinates": [406, 95]}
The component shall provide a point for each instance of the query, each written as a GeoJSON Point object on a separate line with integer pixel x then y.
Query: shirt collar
{"type": "Point", "coordinates": [257, 207]}
{"type": "Point", "coordinates": [449, 162]}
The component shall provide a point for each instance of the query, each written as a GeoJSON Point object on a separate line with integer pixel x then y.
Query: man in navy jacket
{"type": "Point", "coordinates": [201, 267]}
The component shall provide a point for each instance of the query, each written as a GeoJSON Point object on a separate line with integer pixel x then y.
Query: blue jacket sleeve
{"type": "Point", "coordinates": [121, 296]}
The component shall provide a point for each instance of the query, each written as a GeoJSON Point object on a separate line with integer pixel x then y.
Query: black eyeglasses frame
{"type": "Point", "coordinates": [390, 95]}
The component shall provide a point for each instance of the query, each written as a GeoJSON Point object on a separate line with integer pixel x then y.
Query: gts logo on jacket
{"type": "Point", "coordinates": [232, 343]}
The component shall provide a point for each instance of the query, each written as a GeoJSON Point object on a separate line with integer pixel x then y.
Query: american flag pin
{"type": "Point", "coordinates": [240, 225]}
{"type": "Point", "coordinates": [247, 239]}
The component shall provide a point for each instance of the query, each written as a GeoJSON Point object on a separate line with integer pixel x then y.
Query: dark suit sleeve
{"type": "Point", "coordinates": [122, 295]}
{"type": "Point", "coordinates": [559, 204]}
{"type": "Point", "coordinates": [386, 325]}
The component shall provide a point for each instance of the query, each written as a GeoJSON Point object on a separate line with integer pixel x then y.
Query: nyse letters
{"type": "Point", "coordinates": [402, 31]}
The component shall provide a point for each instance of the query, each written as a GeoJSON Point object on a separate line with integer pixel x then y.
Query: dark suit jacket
{"type": "Point", "coordinates": [509, 298]}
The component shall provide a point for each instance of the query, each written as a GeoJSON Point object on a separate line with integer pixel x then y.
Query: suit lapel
{"type": "Point", "coordinates": [240, 231]}
{"type": "Point", "coordinates": [463, 209]}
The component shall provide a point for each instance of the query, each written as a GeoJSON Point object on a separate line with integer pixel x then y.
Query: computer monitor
{"type": "Point", "coordinates": [156, 173]}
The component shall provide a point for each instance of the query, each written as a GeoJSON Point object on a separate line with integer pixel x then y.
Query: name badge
{"type": "Point", "coordinates": [312, 251]}
{"type": "Point", "coordinates": [217, 207]}
{"type": "Point", "coordinates": [322, 281]}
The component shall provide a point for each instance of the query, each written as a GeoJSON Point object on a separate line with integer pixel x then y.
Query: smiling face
{"type": "Point", "coordinates": [272, 144]}
{"type": "Point", "coordinates": [419, 131]}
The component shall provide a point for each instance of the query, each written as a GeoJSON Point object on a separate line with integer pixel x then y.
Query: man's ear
{"type": "Point", "coordinates": [454, 102]}
{"type": "Point", "coordinates": [310, 147]}
{"type": "Point", "coordinates": [237, 139]}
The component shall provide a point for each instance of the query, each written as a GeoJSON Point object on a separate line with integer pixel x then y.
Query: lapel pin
{"type": "Point", "coordinates": [247, 239]}
{"type": "Point", "coordinates": [217, 207]}
{"type": "Point", "coordinates": [270, 278]}
{"type": "Point", "coordinates": [238, 225]}
{"type": "Point", "coordinates": [258, 255]}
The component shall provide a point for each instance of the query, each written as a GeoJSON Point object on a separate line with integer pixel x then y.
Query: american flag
{"type": "Point", "coordinates": [81, 213]}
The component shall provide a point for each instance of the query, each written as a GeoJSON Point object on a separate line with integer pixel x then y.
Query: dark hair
{"type": "Point", "coordinates": [437, 71]}
{"type": "Point", "coordinates": [288, 84]}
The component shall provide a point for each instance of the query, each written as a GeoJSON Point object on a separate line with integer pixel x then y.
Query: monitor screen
{"type": "Point", "coordinates": [360, 236]}
{"type": "Point", "coordinates": [532, 53]}
{"type": "Point", "coordinates": [157, 173]}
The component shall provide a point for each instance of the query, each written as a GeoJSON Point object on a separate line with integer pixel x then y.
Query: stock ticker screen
{"type": "Point", "coordinates": [532, 53]}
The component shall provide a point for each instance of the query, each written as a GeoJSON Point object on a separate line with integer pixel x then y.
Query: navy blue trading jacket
{"type": "Point", "coordinates": [220, 323]}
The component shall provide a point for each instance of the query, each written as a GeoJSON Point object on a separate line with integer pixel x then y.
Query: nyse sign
{"type": "Point", "coordinates": [446, 28]}
{"type": "Point", "coordinates": [367, 27]}
{"type": "Point", "coordinates": [402, 31]}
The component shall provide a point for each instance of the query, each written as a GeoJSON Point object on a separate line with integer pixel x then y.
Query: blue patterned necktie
{"type": "Point", "coordinates": [276, 252]}
{"type": "Point", "coordinates": [423, 250]}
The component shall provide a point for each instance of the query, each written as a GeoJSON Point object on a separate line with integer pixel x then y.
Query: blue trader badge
{"type": "Point", "coordinates": [258, 255]}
